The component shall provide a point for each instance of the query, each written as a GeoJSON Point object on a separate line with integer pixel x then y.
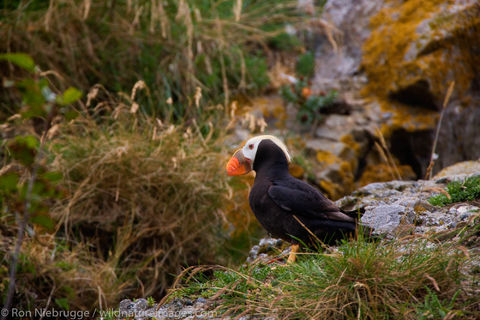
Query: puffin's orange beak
{"type": "Point", "coordinates": [238, 164]}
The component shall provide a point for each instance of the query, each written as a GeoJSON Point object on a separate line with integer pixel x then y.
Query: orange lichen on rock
{"type": "Point", "coordinates": [383, 172]}
{"type": "Point", "coordinates": [350, 142]}
{"type": "Point", "coordinates": [408, 118]}
{"type": "Point", "coordinates": [420, 41]}
{"type": "Point", "coordinates": [389, 57]}
{"type": "Point", "coordinates": [333, 190]}
{"type": "Point", "coordinates": [326, 157]}
{"type": "Point", "coordinates": [272, 107]}
{"type": "Point", "coordinates": [296, 170]}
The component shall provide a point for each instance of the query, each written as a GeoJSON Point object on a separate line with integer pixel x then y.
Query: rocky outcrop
{"type": "Point", "coordinates": [392, 64]}
{"type": "Point", "coordinates": [415, 50]}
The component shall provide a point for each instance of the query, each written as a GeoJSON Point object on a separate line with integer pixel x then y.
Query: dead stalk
{"type": "Point", "coordinates": [428, 174]}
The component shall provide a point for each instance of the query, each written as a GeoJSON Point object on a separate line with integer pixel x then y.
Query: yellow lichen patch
{"type": "Point", "coordinates": [393, 31]}
{"type": "Point", "coordinates": [326, 157]}
{"type": "Point", "coordinates": [383, 172]}
{"type": "Point", "coordinates": [350, 142]}
{"type": "Point", "coordinates": [392, 57]}
{"type": "Point", "coordinates": [408, 118]}
{"type": "Point", "coordinates": [341, 176]}
{"type": "Point", "coordinates": [419, 209]}
{"type": "Point", "coordinates": [296, 170]}
{"type": "Point", "coordinates": [272, 107]}
{"type": "Point", "coordinates": [334, 191]}
{"type": "Point", "coordinates": [347, 176]}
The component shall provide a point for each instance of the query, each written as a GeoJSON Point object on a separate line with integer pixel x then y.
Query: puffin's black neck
{"type": "Point", "coordinates": [270, 161]}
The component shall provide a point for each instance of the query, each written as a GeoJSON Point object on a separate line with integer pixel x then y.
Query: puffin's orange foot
{"type": "Point", "coordinates": [293, 253]}
{"type": "Point", "coordinates": [275, 260]}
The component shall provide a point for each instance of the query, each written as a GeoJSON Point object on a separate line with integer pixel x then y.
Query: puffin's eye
{"type": "Point", "coordinates": [250, 146]}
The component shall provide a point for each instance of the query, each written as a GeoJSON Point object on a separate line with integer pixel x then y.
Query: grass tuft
{"type": "Point", "coordinates": [150, 196]}
{"type": "Point", "coordinates": [403, 279]}
{"type": "Point", "coordinates": [458, 191]}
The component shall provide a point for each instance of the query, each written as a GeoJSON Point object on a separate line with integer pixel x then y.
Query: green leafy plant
{"type": "Point", "coordinates": [309, 105]}
{"type": "Point", "coordinates": [434, 308]}
{"type": "Point", "coordinates": [151, 301]}
{"type": "Point", "coordinates": [305, 66]}
{"type": "Point", "coordinates": [299, 93]}
{"type": "Point", "coordinates": [458, 191]}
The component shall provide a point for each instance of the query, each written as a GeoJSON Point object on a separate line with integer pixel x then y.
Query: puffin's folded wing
{"type": "Point", "coordinates": [306, 202]}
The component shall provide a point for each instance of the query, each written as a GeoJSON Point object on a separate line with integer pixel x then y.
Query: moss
{"type": "Point", "coordinates": [459, 191]}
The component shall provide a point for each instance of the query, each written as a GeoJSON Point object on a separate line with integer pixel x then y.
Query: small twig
{"type": "Point", "coordinates": [26, 216]}
{"type": "Point", "coordinates": [428, 174]}
{"type": "Point", "coordinates": [386, 155]}
{"type": "Point", "coordinates": [20, 235]}
{"type": "Point", "coordinates": [48, 301]}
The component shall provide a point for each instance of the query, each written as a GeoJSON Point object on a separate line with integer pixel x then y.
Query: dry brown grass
{"type": "Point", "coordinates": [52, 270]}
{"type": "Point", "coordinates": [149, 197]}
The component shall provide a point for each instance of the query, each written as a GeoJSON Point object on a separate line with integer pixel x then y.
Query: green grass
{"type": "Point", "coordinates": [458, 191]}
{"type": "Point", "coordinates": [410, 279]}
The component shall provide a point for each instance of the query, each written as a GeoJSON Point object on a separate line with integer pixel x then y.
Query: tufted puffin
{"type": "Point", "coordinates": [287, 207]}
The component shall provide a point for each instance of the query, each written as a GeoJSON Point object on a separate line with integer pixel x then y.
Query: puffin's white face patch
{"type": "Point", "coordinates": [250, 148]}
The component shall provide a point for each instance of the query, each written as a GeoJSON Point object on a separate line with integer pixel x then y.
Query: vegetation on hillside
{"type": "Point", "coordinates": [176, 47]}
{"type": "Point", "coordinates": [411, 278]}
{"type": "Point", "coordinates": [138, 189]}
{"type": "Point", "coordinates": [113, 203]}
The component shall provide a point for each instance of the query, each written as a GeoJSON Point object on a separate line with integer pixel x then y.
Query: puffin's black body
{"type": "Point", "coordinates": [277, 198]}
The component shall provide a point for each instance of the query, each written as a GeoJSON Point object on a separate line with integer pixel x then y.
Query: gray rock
{"type": "Point", "coordinates": [384, 219]}
{"type": "Point", "coordinates": [470, 168]}
{"type": "Point", "coordinates": [140, 304]}
{"type": "Point", "coordinates": [201, 300]}
{"type": "Point", "coordinates": [126, 304]}
{"type": "Point", "coordinates": [351, 20]}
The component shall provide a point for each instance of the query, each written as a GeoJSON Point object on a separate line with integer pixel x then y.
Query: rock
{"type": "Point", "coordinates": [383, 219]}
{"type": "Point", "coordinates": [334, 66]}
{"type": "Point", "coordinates": [408, 60]}
{"type": "Point", "coordinates": [425, 52]}
{"type": "Point", "coordinates": [465, 168]}
{"type": "Point", "coordinates": [140, 305]}
{"type": "Point", "coordinates": [266, 249]}
{"type": "Point", "coordinates": [126, 305]}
